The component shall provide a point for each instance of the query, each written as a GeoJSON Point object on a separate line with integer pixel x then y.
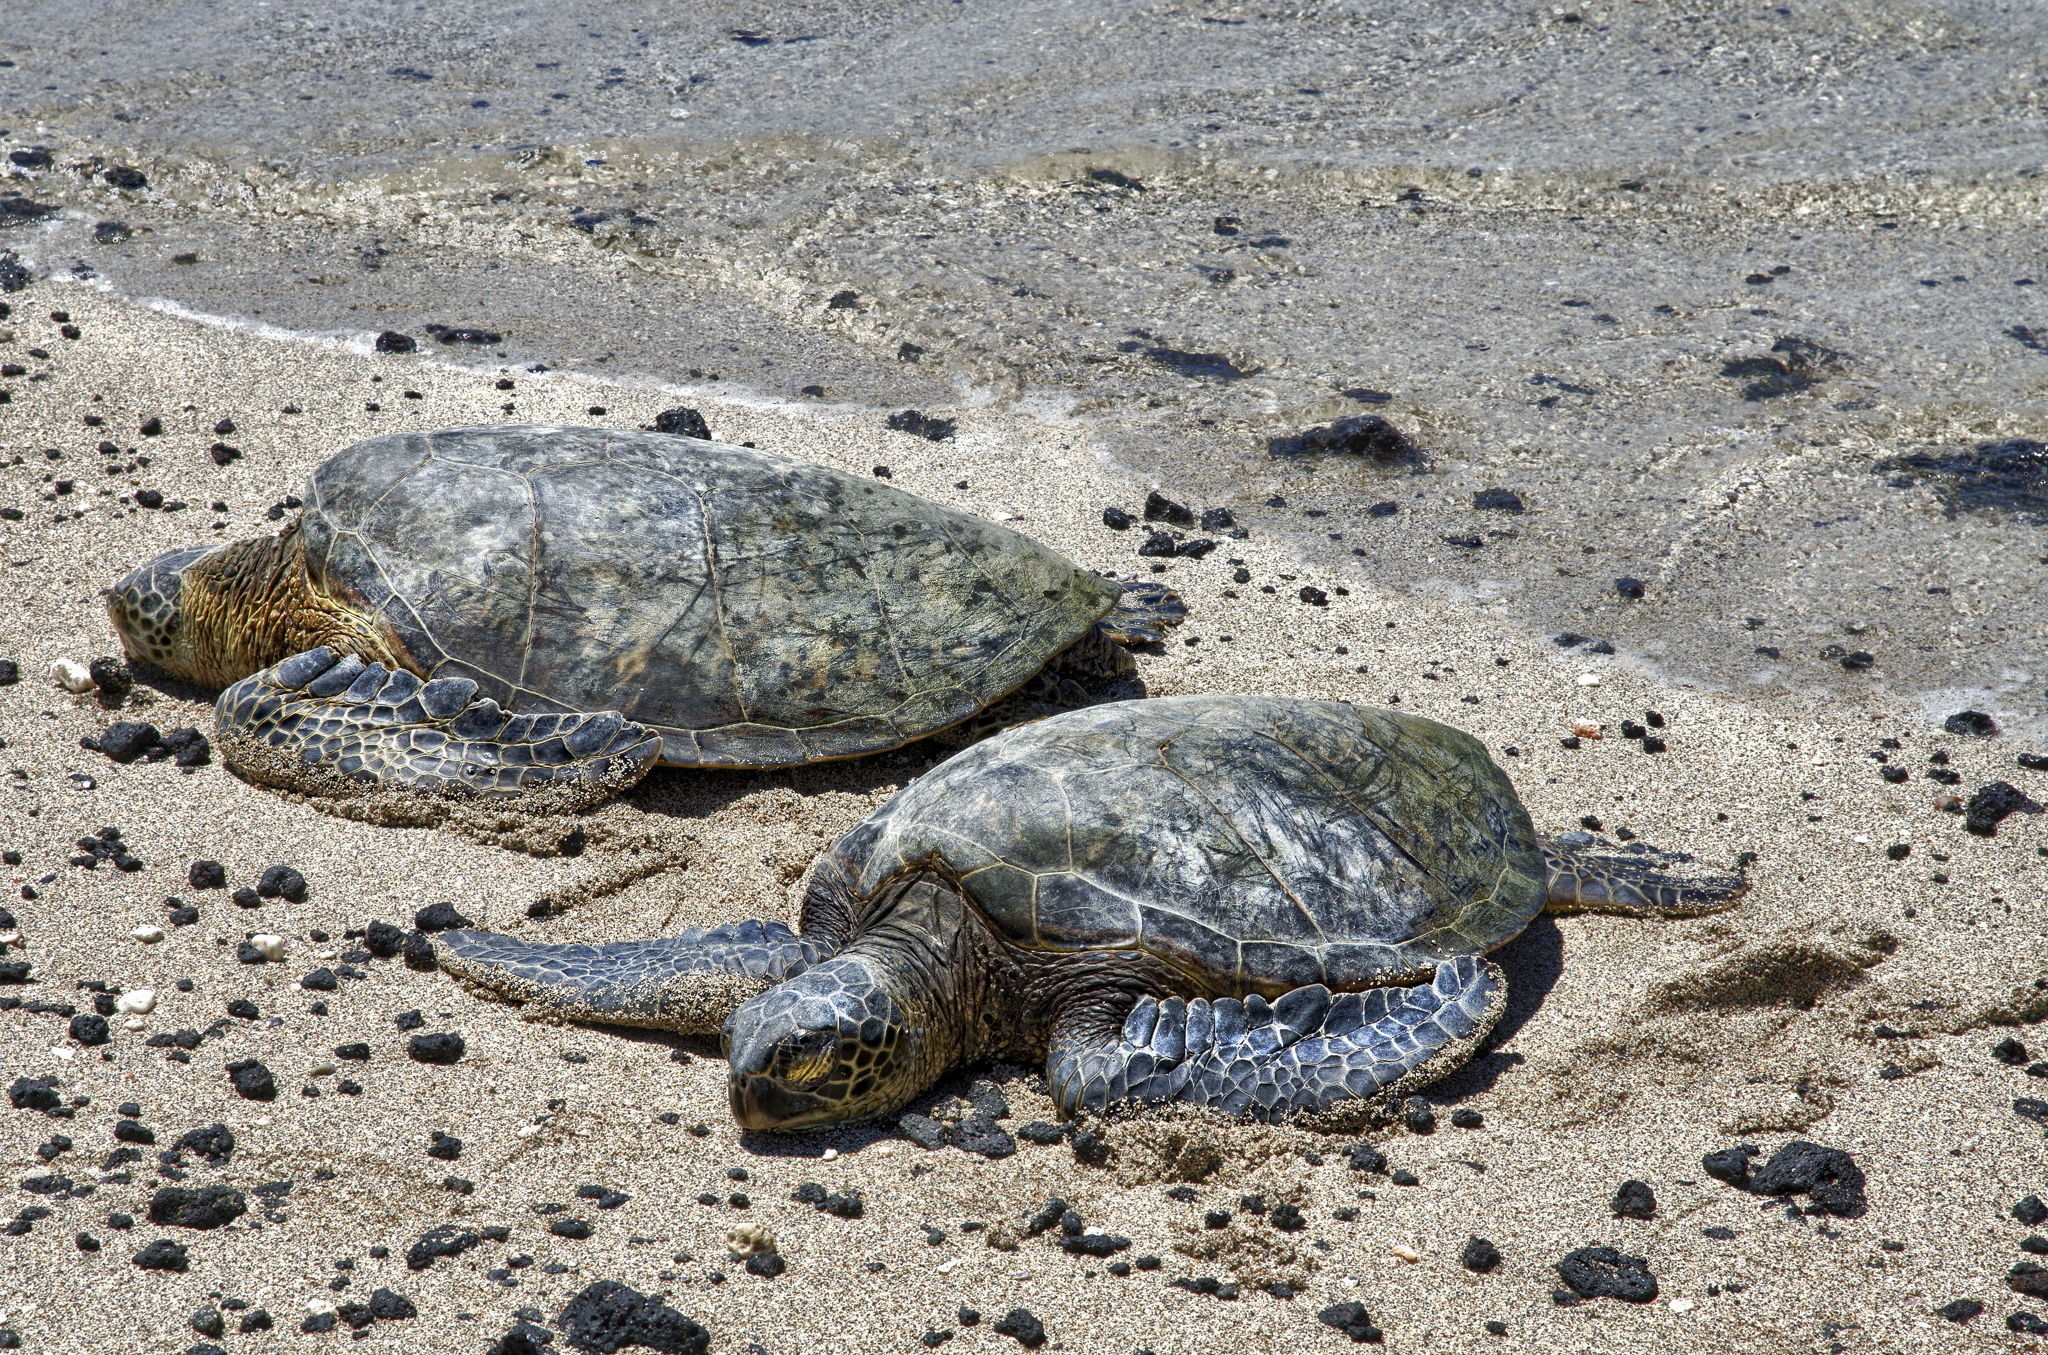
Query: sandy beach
{"type": "Point", "coordinates": [1853, 999]}
{"type": "Point", "coordinates": [1711, 347]}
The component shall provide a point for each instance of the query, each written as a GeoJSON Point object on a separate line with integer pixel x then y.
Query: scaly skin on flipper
{"type": "Point", "coordinates": [1144, 613]}
{"type": "Point", "coordinates": [1302, 1055]}
{"type": "Point", "coordinates": [688, 983]}
{"type": "Point", "coordinates": [1631, 884]}
{"type": "Point", "coordinates": [325, 724]}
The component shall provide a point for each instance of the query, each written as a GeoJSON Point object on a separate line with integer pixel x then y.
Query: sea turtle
{"type": "Point", "coordinates": [518, 608]}
{"type": "Point", "coordinates": [1218, 900]}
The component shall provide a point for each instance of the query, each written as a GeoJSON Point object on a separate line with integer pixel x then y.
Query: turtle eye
{"type": "Point", "coordinates": [808, 1058]}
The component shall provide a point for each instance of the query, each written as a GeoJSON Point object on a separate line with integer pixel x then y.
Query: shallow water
{"type": "Point", "coordinates": [1719, 292]}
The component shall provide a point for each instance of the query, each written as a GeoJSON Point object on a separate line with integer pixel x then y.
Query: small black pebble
{"type": "Point", "coordinates": [382, 939]}
{"type": "Point", "coordinates": [1159, 508]}
{"type": "Point", "coordinates": [1022, 1326]}
{"type": "Point", "coordinates": [1971, 724]}
{"type": "Point", "coordinates": [252, 1080]}
{"type": "Point", "coordinates": [1353, 1320]}
{"type": "Point", "coordinates": [682, 422]}
{"type": "Point", "coordinates": [439, 917]}
{"type": "Point", "coordinates": [1603, 1272]}
{"type": "Point", "coordinates": [1366, 1158]}
{"type": "Point", "coordinates": [162, 1254]}
{"type": "Point", "coordinates": [1827, 1176]}
{"type": "Point", "coordinates": [1730, 1165]}
{"type": "Point", "coordinates": [437, 1047]}
{"type": "Point", "coordinates": [204, 1208]}
{"type": "Point", "coordinates": [1479, 1256]}
{"type": "Point", "coordinates": [1090, 1148]}
{"type": "Point", "coordinates": [1634, 1201]}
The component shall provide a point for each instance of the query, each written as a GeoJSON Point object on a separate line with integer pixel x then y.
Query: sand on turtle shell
{"type": "Point", "coordinates": [1627, 1048]}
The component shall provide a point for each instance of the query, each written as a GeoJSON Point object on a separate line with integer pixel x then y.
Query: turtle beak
{"type": "Point", "coordinates": [764, 1103]}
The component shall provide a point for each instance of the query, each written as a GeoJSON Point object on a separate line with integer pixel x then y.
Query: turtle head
{"type": "Point", "coordinates": [831, 1044]}
{"type": "Point", "coordinates": [147, 607]}
{"type": "Point", "coordinates": [863, 1032]}
{"type": "Point", "coordinates": [212, 615]}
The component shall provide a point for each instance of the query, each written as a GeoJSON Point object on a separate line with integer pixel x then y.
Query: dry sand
{"type": "Point", "coordinates": [1630, 1048]}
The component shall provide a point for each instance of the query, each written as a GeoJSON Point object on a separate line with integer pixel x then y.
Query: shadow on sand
{"type": "Point", "coordinates": [1533, 963]}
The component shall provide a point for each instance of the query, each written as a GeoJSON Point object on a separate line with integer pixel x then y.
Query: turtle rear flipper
{"type": "Point", "coordinates": [1632, 884]}
{"type": "Point", "coordinates": [1144, 613]}
{"type": "Point", "coordinates": [1307, 1053]}
{"type": "Point", "coordinates": [326, 724]}
{"type": "Point", "coordinates": [688, 983]}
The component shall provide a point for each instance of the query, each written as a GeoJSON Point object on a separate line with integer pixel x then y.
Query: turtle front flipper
{"type": "Point", "coordinates": [1144, 613]}
{"type": "Point", "coordinates": [321, 723]}
{"type": "Point", "coordinates": [688, 983]}
{"type": "Point", "coordinates": [1309, 1052]}
{"type": "Point", "coordinates": [1633, 884]}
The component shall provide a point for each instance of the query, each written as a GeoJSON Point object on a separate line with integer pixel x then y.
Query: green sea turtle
{"type": "Point", "coordinates": [1217, 900]}
{"type": "Point", "coordinates": [520, 608]}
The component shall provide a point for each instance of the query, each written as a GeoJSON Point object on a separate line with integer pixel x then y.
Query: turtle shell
{"type": "Point", "coordinates": [753, 610]}
{"type": "Point", "coordinates": [1253, 843]}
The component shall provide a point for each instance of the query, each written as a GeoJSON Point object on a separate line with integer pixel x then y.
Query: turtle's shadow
{"type": "Point", "coordinates": [163, 684]}
{"type": "Point", "coordinates": [1532, 962]}
{"type": "Point", "coordinates": [701, 792]}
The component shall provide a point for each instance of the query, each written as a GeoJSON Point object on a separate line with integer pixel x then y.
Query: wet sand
{"type": "Point", "coordinates": [1689, 280]}
{"type": "Point", "coordinates": [1852, 999]}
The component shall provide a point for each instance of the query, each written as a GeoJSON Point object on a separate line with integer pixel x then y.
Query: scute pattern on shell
{"type": "Point", "coordinates": [753, 610]}
{"type": "Point", "coordinates": [1257, 844]}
